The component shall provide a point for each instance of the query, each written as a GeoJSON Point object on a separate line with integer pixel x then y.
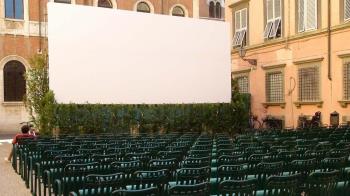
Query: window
{"type": "Point", "coordinates": [14, 9]}
{"type": "Point", "coordinates": [307, 11]}
{"type": "Point", "coordinates": [243, 84]}
{"type": "Point", "coordinates": [14, 82]}
{"type": "Point", "coordinates": [218, 10]}
{"type": "Point", "coordinates": [346, 10]}
{"type": "Point", "coordinates": [178, 11]}
{"type": "Point", "coordinates": [273, 26]}
{"type": "Point", "coordinates": [214, 9]}
{"type": "Point", "coordinates": [143, 7]}
{"type": "Point", "coordinates": [105, 3]}
{"type": "Point", "coordinates": [239, 38]}
{"type": "Point", "coordinates": [346, 81]}
{"type": "Point", "coordinates": [309, 84]}
{"type": "Point", "coordinates": [211, 9]}
{"type": "Point", "coordinates": [63, 1]}
{"type": "Point", "coordinates": [274, 87]}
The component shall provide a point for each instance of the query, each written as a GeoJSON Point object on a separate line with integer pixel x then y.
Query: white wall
{"type": "Point", "coordinates": [142, 58]}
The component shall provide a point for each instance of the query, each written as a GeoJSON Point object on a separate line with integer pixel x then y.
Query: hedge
{"type": "Point", "coordinates": [99, 118]}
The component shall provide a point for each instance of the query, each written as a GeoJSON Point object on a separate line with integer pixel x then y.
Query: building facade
{"type": "Point", "coordinates": [23, 32]}
{"type": "Point", "coordinates": [292, 56]}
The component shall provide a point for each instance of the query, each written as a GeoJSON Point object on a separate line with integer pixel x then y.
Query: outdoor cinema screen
{"type": "Point", "coordinates": [111, 56]}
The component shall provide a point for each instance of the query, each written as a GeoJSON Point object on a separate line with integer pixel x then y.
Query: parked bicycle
{"type": "Point", "coordinates": [314, 122]}
{"type": "Point", "coordinates": [272, 123]}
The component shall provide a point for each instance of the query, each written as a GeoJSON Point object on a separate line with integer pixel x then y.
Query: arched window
{"type": "Point", "coordinates": [14, 9]}
{"type": "Point", "coordinates": [14, 82]}
{"type": "Point", "coordinates": [63, 1]}
{"type": "Point", "coordinates": [218, 10]}
{"type": "Point", "coordinates": [178, 11]}
{"type": "Point", "coordinates": [143, 7]}
{"type": "Point", "coordinates": [211, 9]}
{"type": "Point", "coordinates": [105, 3]}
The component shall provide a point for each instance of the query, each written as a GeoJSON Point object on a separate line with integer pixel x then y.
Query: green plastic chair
{"type": "Point", "coordinates": [321, 183]}
{"type": "Point", "coordinates": [238, 187]}
{"type": "Point", "coordinates": [201, 189]}
{"type": "Point", "coordinates": [153, 191]}
{"type": "Point", "coordinates": [282, 185]}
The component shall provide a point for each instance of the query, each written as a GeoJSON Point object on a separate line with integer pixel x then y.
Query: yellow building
{"type": "Point", "coordinates": [292, 56]}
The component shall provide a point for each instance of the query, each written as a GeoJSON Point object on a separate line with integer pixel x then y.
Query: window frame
{"type": "Point", "coordinates": [316, 65]}
{"type": "Point", "coordinates": [13, 10]}
{"type": "Point", "coordinates": [217, 12]}
{"type": "Point", "coordinates": [271, 29]}
{"type": "Point", "coordinates": [238, 39]}
{"type": "Point", "coordinates": [239, 76]}
{"type": "Point", "coordinates": [211, 9]}
{"type": "Point", "coordinates": [305, 15]}
{"type": "Point", "coordinates": [5, 71]}
{"type": "Point", "coordinates": [346, 81]}
{"type": "Point", "coordinates": [144, 2]}
{"type": "Point", "coordinates": [109, 1]}
{"type": "Point", "coordinates": [268, 84]}
{"type": "Point", "coordinates": [178, 6]}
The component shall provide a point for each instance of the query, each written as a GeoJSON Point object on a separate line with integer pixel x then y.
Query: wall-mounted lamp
{"type": "Point", "coordinates": [242, 52]}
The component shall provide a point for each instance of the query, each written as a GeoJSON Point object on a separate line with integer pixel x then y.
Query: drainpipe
{"type": "Point", "coordinates": [39, 26]}
{"type": "Point", "coordinates": [162, 6]}
{"type": "Point", "coordinates": [329, 42]}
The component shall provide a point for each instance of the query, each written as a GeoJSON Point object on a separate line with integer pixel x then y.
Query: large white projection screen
{"type": "Point", "coordinates": [110, 56]}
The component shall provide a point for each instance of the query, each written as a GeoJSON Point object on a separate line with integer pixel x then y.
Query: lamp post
{"type": "Point", "coordinates": [242, 53]}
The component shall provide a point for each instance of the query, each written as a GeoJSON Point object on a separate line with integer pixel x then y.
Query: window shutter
{"type": "Point", "coordinates": [241, 38]}
{"type": "Point", "coordinates": [244, 18]}
{"type": "Point", "coordinates": [268, 29]}
{"type": "Point", "coordinates": [277, 8]}
{"type": "Point", "coordinates": [269, 9]}
{"type": "Point", "coordinates": [236, 38]}
{"type": "Point", "coordinates": [311, 21]}
{"type": "Point", "coordinates": [275, 28]}
{"type": "Point", "coordinates": [347, 9]}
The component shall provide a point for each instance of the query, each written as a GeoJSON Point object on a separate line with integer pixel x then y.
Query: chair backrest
{"type": "Point", "coordinates": [305, 167]}
{"type": "Point", "coordinates": [232, 172]}
{"type": "Point", "coordinates": [199, 153]}
{"type": "Point", "coordinates": [102, 185]}
{"type": "Point", "coordinates": [231, 160]}
{"type": "Point", "coordinates": [322, 183]}
{"type": "Point", "coordinates": [127, 167]}
{"type": "Point", "coordinates": [74, 175]}
{"type": "Point", "coordinates": [158, 164]}
{"type": "Point", "coordinates": [192, 175]}
{"type": "Point", "coordinates": [147, 179]}
{"type": "Point", "coordinates": [153, 191]}
{"type": "Point", "coordinates": [238, 187]}
{"type": "Point", "coordinates": [330, 164]}
{"type": "Point", "coordinates": [201, 189]}
{"type": "Point", "coordinates": [191, 162]}
{"type": "Point", "coordinates": [170, 155]}
{"type": "Point", "coordinates": [282, 185]}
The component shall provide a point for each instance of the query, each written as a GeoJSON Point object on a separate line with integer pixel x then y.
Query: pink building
{"type": "Point", "coordinates": [293, 57]}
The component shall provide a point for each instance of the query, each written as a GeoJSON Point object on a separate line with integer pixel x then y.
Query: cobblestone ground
{"type": "Point", "coordinates": [10, 182]}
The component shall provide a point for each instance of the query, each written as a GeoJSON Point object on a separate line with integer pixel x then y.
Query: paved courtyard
{"type": "Point", "coordinates": [8, 178]}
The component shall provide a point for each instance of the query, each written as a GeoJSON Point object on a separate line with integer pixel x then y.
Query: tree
{"type": "Point", "coordinates": [40, 101]}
